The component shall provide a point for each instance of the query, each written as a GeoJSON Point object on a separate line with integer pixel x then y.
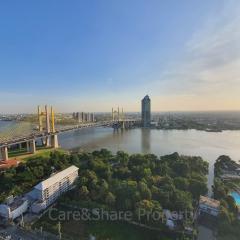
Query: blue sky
{"type": "Point", "coordinates": [92, 55]}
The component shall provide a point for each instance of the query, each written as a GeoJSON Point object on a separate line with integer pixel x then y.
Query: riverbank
{"type": "Point", "coordinates": [16, 157]}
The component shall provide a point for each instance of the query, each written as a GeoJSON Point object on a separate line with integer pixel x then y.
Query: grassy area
{"type": "Point", "coordinates": [24, 156]}
{"type": "Point", "coordinates": [17, 152]}
{"type": "Point", "coordinates": [121, 231]}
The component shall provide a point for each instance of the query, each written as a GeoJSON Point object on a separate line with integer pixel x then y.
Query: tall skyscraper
{"type": "Point", "coordinates": [146, 111]}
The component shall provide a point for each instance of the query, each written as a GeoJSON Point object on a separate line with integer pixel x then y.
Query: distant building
{"type": "Point", "coordinates": [14, 207]}
{"type": "Point", "coordinates": [92, 117]}
{"type": "Point", "coordinates": [47, 191]}
{"type": "Point", "coordinates": [88, 117]}
{"type": "Point", "coordinates": [209, 206]}
{"type": "Point", "coordinates": [83, 117]}
{"type": "Point", "coordinates": [146, 111]}
{"type": "Point", "coordinates": [78, 117]}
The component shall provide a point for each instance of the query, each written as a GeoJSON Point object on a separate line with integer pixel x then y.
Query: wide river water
{"type": "Point", "coordinates": [208, 145]}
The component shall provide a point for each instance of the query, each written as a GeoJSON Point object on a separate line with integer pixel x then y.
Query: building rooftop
{"type": "Point", "coordinates": [9, 163]}
{"type": "Point", "coordinates": [146, 97]}
{"type": "Point", "coordinates": [16, 203]}
{"type": "Point", "coordinates": [230, 176]}
{"type": "Point", "coordinates": [55, 178]}
{"type": "Point", "coordinates": [209, 201]}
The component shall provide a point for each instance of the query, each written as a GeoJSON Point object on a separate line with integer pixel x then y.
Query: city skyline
{"type": "Point", "coordinates": [93, 56]}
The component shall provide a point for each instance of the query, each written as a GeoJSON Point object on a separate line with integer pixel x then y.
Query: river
{"type": "Point", "coordinates": [208, 145]}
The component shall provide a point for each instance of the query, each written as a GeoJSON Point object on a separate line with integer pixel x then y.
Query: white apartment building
{"type": "Point", "coordinates": [47, 191]}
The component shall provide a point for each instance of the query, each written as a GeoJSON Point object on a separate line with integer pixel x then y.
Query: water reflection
{"type": "Point", "coordinates": [146, 140]}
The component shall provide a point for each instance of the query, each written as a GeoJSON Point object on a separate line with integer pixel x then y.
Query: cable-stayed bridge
{"type": "Point", "coordinates": [25, 132]}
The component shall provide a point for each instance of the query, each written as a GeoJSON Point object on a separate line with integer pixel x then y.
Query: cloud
{"type": "Point", "coordinates": [210, 65]}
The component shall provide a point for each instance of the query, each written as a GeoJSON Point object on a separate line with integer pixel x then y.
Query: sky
{"type": "Point", "coordinates": [83, 55]}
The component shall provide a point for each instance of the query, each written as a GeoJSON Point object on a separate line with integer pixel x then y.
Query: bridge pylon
{"type": "Point", "coordinates": [54, 137]}
{"type": "Point", "coordinates": [4, 153]}
{"type": "Point", "coordinates": [118, 118]}
{"type": "Point", "coordinates": [123, 120]}
{"type": "Point", "coordinates": [51, 140]}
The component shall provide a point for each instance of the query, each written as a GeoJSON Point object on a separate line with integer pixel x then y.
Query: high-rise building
{"type": "Point", "coordinates": [146, 111]}
{"type": "Point", "coordinates": [83, 117]}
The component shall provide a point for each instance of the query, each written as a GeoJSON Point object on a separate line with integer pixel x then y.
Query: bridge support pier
{"type": "Point", "coordinates": [47, 141]}
{"type": "Point", "coordinates": [32, 146]}
{"type": "Point", "coordinates": [28, 146]}
{"type": "Point", "coordinates": [20, 146]}
{"type": "Point", "coordinates": [4, 152]}
{"type": "Point", "coordinates": [54, 141]}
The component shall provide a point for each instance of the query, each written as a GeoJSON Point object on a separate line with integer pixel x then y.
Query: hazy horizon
{"type": "Point", "coordinates": [138, 112]}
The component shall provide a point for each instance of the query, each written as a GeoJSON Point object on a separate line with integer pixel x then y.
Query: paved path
{"type": "Point", "coordinates": [205, 233]}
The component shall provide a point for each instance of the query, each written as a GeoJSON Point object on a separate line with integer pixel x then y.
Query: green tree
{"type": "Point", "coordinates": [197, 188]}
{"type": "Point", "coordinates": [144, 191]}
{"type": "Point", "coordinates": [181, 183]}
{"type": "Point", "coordinates": [110, 199]}
{"type": "Point", "coordinates": [182, 201]}
{"type": "Point", "coordinates": [122, 158]}
{"type": "Point", "coordinates": [83, 192]}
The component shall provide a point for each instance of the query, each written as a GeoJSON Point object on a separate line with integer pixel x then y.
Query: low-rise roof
{"type": "Point", "coordinates": [209, 201]}
{"type": "Point", "coordinates": [55, 178]}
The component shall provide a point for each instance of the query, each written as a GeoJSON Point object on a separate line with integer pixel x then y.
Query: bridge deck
{"type": "Point", "coordinates": [23, 131]}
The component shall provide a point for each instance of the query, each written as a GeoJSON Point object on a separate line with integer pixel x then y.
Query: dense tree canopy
{"type": "Point", "coordinates": [119, 181]}
{"type": "Point", "coordinates": [126, 182]}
